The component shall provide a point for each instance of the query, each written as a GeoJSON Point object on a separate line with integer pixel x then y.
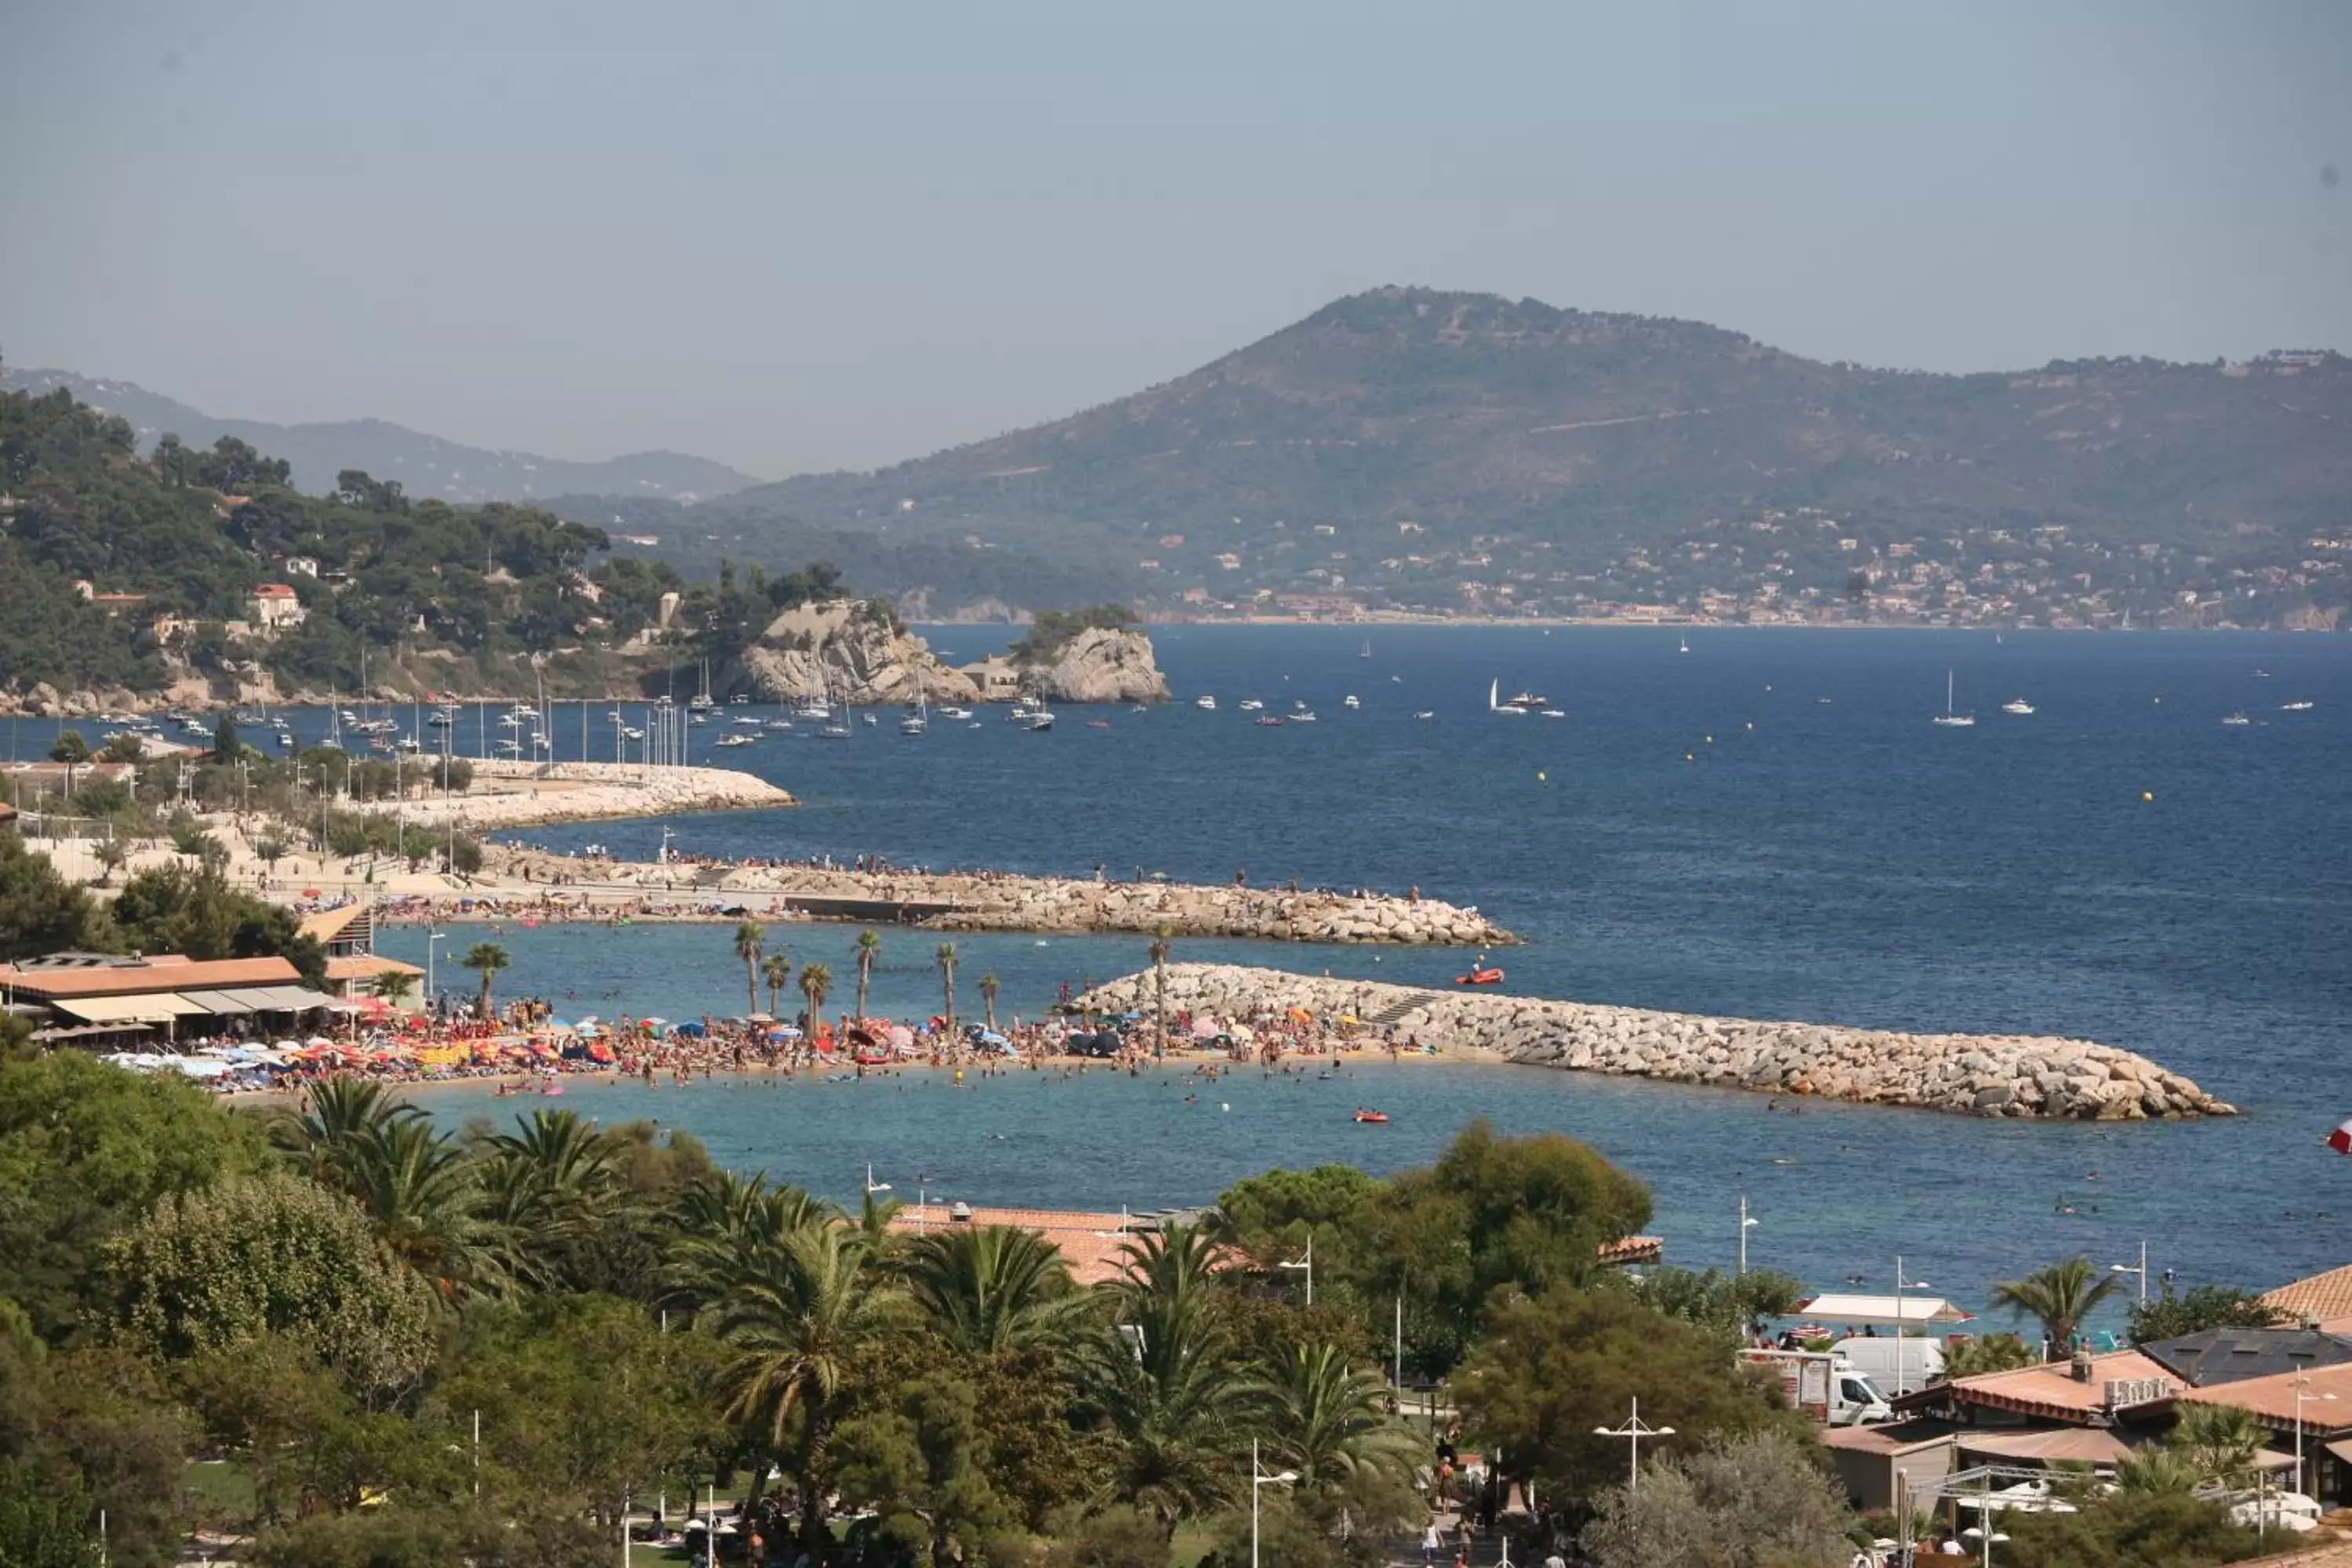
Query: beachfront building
{"type": "Point", "coordinates": [2323, 1301]}
{"type": "Point", "coordinates": [354, 969]}
{"type": "Point", "coordinates": [93, 999]}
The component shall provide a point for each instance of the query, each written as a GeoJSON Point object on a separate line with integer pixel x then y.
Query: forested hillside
{"type": "Point", "coordinates": [128, 571]}
{"type": "Point", "coordinates": [427, 465]}
{"type": "Point", "coordinates": [1455, 452]}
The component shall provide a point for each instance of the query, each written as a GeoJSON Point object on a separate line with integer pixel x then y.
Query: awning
{"type": "Point", "coordinates": [2341, 1448]}
{"type": "Point", "coordinates": [84, 1031]}
{"type": "Point", "coordinates": [160, 1007]}
{"type": "Point", "coordinates": [1910, 1311]}
{"type": "Point", "coordinates": [2080, 1444]}
{"type": "Point", "coordinates": [284, 999]}
{"type": "Point", "coordinates": [217, 1003]}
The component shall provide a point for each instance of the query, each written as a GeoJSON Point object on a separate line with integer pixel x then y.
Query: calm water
{"type": "Point", "coordinates": [1841, 859]}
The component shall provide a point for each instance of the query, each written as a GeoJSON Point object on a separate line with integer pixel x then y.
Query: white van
{"type": "Point", "coordinates": [1896, 1366]}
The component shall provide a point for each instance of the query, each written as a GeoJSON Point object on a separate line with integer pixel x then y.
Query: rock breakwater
{"type": "Point", "coordinates": [509, 794]}
{"type": "Point", "coordinates": [2019, 1076]}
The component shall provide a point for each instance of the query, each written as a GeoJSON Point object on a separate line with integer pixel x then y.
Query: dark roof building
{"type": "Point", "coordinates": [2212, 1356]}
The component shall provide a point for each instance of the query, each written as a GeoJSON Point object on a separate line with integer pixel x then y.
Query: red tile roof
{"type": "Point", "coordinates": [273, 591]}
{"type": "Point", "coordinates": [2326, 1296]}
{"type": "Point", "coordinates": [367, 966]}
{"type": "Point", "coordinates": [2326, 1397]}
{"type": "Point", "coordinates": [166, 972]}
{"type": "Point", "coordinates": [2050, 1389]}
{"type": "Point", "coordinates": [1092, 1242]}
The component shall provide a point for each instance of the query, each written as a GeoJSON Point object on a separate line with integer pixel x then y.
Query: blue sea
{"type": "Point", "coordinates": [1766, 825]}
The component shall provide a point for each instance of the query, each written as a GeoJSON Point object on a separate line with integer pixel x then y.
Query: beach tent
{"type": "Point", "coordinates": [691, 1029]}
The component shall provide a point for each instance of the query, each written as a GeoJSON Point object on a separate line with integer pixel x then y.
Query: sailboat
{"type": "Point", "coordinates": [1521, 703]}
{"type": "Point", "coordinates": [835, 729]}
{"type": "Point", "coordinates": [1685, 648]}
{"type": "Point", "coordinates": [1366, 651]}
{"type": "Point", "coordinates": [701, 700]}
{"type": "Point", "coordinates": [919, 720]}
{"type": "Point", "coordinates": [1948, 718]}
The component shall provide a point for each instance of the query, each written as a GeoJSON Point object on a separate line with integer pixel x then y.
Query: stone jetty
{"type": "Point", "coordinates": [2018, 1076]}
{"type": "Point", "coordinates": [511, 793]}
{"type": "Point", "coordinates": [999, 901]}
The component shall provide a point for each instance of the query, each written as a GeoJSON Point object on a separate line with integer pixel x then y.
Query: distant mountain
{"type": "Point", "coordinates": [427, 466]}
{"type": "Point", "coordinates": [1412, 448]}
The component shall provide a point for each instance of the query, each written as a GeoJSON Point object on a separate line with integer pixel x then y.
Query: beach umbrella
{"type": "Point", "coordinates": [1205, 1029]}
{"type": "Point", "coordinates": [2341, 1139]}
{"type": "Point", "coordinates": [901, 1036]}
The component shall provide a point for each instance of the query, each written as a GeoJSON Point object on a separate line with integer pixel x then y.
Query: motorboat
{"type": "Point", "coordinates": [958, 714]}
{"type": "Point", "coordinates": [1097, 723]}
{"type": "Point", "coordinates": [1551, 713]}
{"type": "Point", "coordinates": [1205, 703]}
{"type": "Point", "coordinates": [1484, 975]}
{"type": "Point", "coordinates": [1271, 720]}
{"type": "Point", "coordinates": [834, 730]}
{"type": "Point", "coordinates": [2298, 706]}
{"type": "Point", "coordinates": [778, 722]}
{"type": "Point", "coordinates": [745, 722]}
{"type": "Point", "coordinates": [2236, 721]}
{"type": "Point", "coordinates": [1426, 714]}
{"type": "Point", "coordinates": [1350, 702]}
{"type": "Point", "coordinates": [1304, 716]}
{"type": "Point", "coordinates": [869, 717]}
{"type": "Point", "coordinates": [739, 740]}
{"type": "Point", "coordinates": [1251, 705]}
{"type": "Point", "coordinates": [1372, 1118]}
{"type": "Point", "coordinates": [2018, 706]}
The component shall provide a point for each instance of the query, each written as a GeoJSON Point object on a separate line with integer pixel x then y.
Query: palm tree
{"type": "Point", "coordinates": [396, 986]}
{"type": "Point", "coordinates": [547, 1187]}
{"type": "Point", "coordinates": [112, 854]}
{"type": "Point", "coordinates": [2157, 1468]}
{"type": "Point", "coordinates": [794, 1325]}
{"type": "Point", "coordinates": [985, 1289]}
{"type": "Point", "coordinates": [947, 961]}
{"type": "Point", "coordinates": [729, 1225]}
{"type": "Point", "coordinates": [1175, 1265]}
{"type": "Point", "coordinates": [72, 750]}
{"type": "Point", "coordinates": [341, 1115]}
{"type": "Point", "coordinates": [751, 945]}
{"type": "Point", "coordinates": [1165, 1384]}
{"type": "Point", "coordinates": [2061, 1296]}
{"type": "Point", "coordinates": [989, 986]}
{"type": "Point", "coordinates": [417, 1188]}
{"type": "Point", "coordinates": [816, 982]}
{"type": "Point", "coordinates": [2221, 1442]}
{"type": "Point", "coordinates": [777, 971]}
{"type": "Point", "coordinates": [869, 948]}
{"type": "Point", "coordinates": [1162, 945]}
{"type": "Point", "coordinates": [488, 958]}
{"type": "Point", "coordinates": [1330, 1423]}
{"type": "Point", "coordinates": [1984, 1353]}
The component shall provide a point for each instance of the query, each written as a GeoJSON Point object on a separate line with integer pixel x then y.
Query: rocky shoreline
{"type": "Point", "coordinates": [991, 900]}
{"type": "Point", "coordinates": [2019, 1076]}
{"type": "Point", "coordinates": [509, 794]}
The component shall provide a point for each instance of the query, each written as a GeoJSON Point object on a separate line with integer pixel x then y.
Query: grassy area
{"type": "Point", "coordinates": [222, 1489]}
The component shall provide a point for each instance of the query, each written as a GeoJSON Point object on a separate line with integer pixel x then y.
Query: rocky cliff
{"type": "Point", "coordinates": [1978, 1075]}
{"type": "Point", "coordinates": [1096, 665]}
{"type": "Point", "coordinates": [847, 649]}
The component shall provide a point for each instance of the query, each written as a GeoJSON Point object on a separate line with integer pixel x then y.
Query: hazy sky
{"type": "Point", "coordinates": [796, 235]}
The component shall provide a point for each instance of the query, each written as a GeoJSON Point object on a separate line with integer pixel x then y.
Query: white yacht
{"type": "Point", "coordinates": [1206, 703]}
{"type": "Point", "coordinates": [2236, 719]}
{"type": "Point", "coordinates": [739, 740]}
{"type": "Point", "coordinates": [1251, 705]}
{"type": "Point", "coordinates": [2018, 706]}
{"type": "Point", "coordinates": [2297, 707]}
{"type": "Point", "coordinates": [958, 714]}
{"type": "Point", "coordinates": [1350, 702]}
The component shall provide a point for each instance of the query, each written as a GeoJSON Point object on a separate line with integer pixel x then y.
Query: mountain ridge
{"type": "Point", "coordinates": [426, 466]}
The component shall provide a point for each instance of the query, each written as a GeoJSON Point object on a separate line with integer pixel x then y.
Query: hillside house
{"type": "Point", "coordinates": [275, 608]}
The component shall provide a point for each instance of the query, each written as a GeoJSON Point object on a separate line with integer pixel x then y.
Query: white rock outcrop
{"type": "Point", "coordinates": [2021, 1076]}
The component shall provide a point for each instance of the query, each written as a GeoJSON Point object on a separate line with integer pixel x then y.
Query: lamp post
{"type": "Point", "coordinates": [1258, 1479]}
{"type": "Point", "coordinates": [431, 939]}
{"type": "Point", "coordinates": [1745, 1220]}
{"type": "Point", "coordinates": [1902, 1359]}
{"type": "Point", "coordinates": [1306, 1263]}
{"type": "Point", "coordinates": [2139, 1268]}
{"type": "Point", "coordinates": [1633, 1431]}
{"type": "Point", "coordinates": [2302, 1381]}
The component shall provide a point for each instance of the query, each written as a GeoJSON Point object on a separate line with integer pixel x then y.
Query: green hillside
{"type": "Point", "coordinates": [1406, 448]}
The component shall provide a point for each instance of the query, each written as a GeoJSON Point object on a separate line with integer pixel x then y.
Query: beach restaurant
{"type": "Point", "coordinates": [96, 998]}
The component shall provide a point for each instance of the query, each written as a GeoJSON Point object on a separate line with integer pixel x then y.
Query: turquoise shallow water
{"type": "Point", "coordinates": [1842, 861]}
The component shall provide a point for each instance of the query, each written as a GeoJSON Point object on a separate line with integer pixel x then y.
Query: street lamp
{"type": "Point", "coordinates": [1306, 1263]}
{"type": "Point", "coordinates": [1745, 1220]}
{"type": "Point", "coordinates": [2140, 1270]}
{"type": "Point", "coordinates": [1633, 1431]}
{"type": "Point", "coordinates": [2302, 1381]}
{"type": "Point", "coordinates": [431, 938]}
{"type": "Point", "coordinates": [1257, 1479]}
{"type": "Point", "coordinates": [1902, 1359]}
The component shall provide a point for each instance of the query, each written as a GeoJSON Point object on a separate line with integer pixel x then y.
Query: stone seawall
{"type": "Point", "coordinates": [1980, 1074]}
{"type": "Point", "coordinates": [509, 794]}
